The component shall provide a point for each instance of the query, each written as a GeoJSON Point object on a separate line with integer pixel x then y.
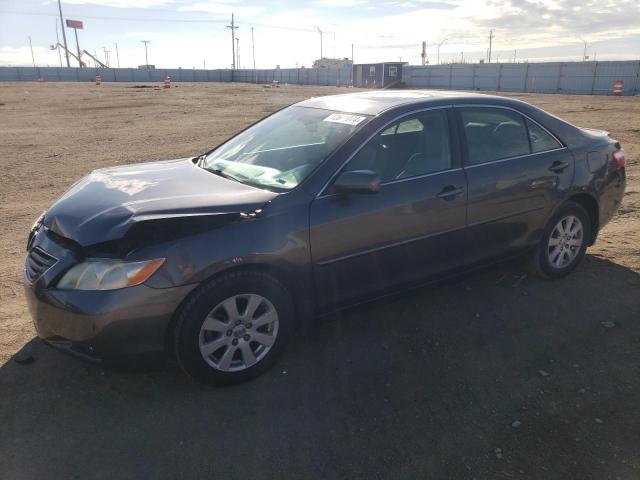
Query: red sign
{"type": "Point", "coordinates": [74, 24]}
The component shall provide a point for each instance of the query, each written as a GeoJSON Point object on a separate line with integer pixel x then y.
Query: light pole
{"type": "Point", "coordinates": [490, 43]}
{"type": "Point", "coordinates": [238, 52]}
{"type": "Point", "coordinates": [106, 55]}
{"type": "Point", "coordinates": [253, 54]}
{"type": "Point", "coordinates": [439, 45]}
{"type": "Point", "coordinates": [32, 57]}
{"type": "Point", "coordinates": [584, 52]}
{"type": "Point", "coordinates": [146, 57]}
{"type": "Point", "coordinates": [320, 32]}
{"type": "Point", "coordinates": [117, 55]}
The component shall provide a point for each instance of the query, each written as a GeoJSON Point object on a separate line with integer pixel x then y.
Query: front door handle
{"type": "Point", "coordinates": [450, 192]}
{"type": "Point", "coordinates": [558, 166]}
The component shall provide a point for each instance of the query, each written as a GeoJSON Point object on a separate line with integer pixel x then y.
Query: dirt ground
{"type": "Point", "coordinates": [428, 385]}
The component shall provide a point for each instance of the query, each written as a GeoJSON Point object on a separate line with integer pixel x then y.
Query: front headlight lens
{"type": "Point", "coordinates": [108, 274]}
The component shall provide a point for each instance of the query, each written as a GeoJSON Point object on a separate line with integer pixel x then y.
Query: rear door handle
{"type": "Point", "coordinates": [558, 166]}
{"type": "Point", "coordinates": [450, 192]}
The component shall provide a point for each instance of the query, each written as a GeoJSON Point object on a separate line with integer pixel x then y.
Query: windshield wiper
{"type": "Point", "coordinates": [222, 174]}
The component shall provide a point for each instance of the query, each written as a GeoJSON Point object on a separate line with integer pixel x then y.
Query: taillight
{"type": "Point", "coordinates": [617, 158]}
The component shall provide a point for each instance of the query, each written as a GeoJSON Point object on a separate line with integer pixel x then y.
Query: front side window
{"type": "Point", "coordinates": [372, 71]}
{"type": "Point", "coordinates": [393, 71]}
{"type": "Point", "coordinates": [283, 149]}
{"type": "Point", "coordinates": [416, 145]}
{"type": "Point", "coordinates": [494, 134]}
{"type": "Point", "coordinates": [541, 140]}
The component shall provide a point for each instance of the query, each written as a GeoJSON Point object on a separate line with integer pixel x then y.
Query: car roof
{"type": "Point", "coordinates": [378, 101]}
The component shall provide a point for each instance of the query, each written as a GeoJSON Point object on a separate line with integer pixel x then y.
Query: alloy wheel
{"type": "Point", "coordinates": [238, 332]}
{"type": "Point", "coordinates": [565, 242]}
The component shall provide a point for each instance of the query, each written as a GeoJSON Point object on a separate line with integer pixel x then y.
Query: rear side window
{"type": "Point", "coordinates": [494, 134]}
{"type": "Point", "coordinates": [541, 140]}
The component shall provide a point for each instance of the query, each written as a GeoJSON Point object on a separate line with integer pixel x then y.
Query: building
{"type": "Point", "coordinates": [332, 63]}
{"type": "Point", "coordinates": [377, 75]}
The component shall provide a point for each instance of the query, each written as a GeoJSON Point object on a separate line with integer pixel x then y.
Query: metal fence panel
{"type": "Point", "coordinates": [556, 77]}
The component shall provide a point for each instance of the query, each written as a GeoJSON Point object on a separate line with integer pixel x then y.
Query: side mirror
{"type": "Point", "coordinates": [357, 181]}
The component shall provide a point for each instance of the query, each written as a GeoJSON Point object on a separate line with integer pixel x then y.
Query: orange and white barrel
{"type": "Point", "coordinates": [167, 82]}
{"type": "Point", "coordinates": [98, 79]}
{"type": "Point", "coordinates": [617, 87]}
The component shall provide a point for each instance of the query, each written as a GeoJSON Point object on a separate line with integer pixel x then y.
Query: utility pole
{"type": "Point", "coordinates": [253, 54]}
{"type": "Point", "coordinates": [117, 55]}
{"type": "Point", "coordinates": [233, 43]}
{"type": "Point", "coordinates": [238, 52]}
{"type": "Point", "coordinates": [106, 56]}
{"type": "Point", "coordinates": [58, 45]}
{"type": "Point", "coordinates": [33, 59]}
{"type": "Point", "coordinates": [320, 32]}
{"type": "Point", "coordinates": [424, 53]}
{"type": "Point", "coordinates": [461, 57]}
{"type": "Point", "coordinates": [490, 43]}
{"type": "Point", "coordinates": [64, 35]}
{"type": "Point", "coordinates": [439, 45]}
{"type": "Point", "coordinates": [146, 56]}
{"type": "Point", "coordinates": [514, 55]}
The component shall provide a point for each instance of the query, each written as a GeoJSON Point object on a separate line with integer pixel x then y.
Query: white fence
{"type": "Point", "coordinates": [591, 78]}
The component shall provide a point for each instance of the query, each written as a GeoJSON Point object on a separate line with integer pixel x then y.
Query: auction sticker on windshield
{"type": "Point", "coordinates": [345, 118]}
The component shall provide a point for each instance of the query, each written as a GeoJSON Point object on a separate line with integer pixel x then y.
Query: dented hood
{"type": "Point", "coordinates": [106, 203]}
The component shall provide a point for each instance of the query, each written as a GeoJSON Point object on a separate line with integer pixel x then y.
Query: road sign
{"type": "Point", "coordinates": [74, 24]}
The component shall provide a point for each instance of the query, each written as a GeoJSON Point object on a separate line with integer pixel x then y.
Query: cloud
{"type": "Point", "coordinates": [120, 3]}
{"type": "Point", "coordinates": [223, 7]}
{"type": "Point", "coordinates": [339, 3]}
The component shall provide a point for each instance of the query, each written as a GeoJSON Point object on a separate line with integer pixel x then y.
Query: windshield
{"type": "Point", "coordinates": [283, 149]}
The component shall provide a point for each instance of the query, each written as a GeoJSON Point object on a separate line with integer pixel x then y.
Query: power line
{"type": "Point", "coordinates": [167, 20]}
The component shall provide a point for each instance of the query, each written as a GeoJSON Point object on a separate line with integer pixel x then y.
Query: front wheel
{"type": "Point", "coordinates": [233, 328]}
{"type": "Point", "coordinates": [564, 242]}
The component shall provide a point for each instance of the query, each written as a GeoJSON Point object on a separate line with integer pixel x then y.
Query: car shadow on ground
{"type": "Point", "coordinates": [429, 384]}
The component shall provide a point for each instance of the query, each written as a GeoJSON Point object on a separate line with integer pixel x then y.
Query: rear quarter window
{"type": "Point", "coordinates": [541, 140]}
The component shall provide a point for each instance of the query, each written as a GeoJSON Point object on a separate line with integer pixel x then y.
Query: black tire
{"type": "Point", "coordinates": [193, 313]}
{"type": "Point", "coordinates": [540, 262]}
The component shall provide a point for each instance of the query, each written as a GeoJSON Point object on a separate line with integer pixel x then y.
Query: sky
{"type": "Point", "coordinates": [193, 33]}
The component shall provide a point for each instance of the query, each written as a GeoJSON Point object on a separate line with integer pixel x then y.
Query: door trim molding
{"type": "Point", "coordinates": [389, 245]}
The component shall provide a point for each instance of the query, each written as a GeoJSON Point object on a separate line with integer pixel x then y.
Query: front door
{"type": "Point", "coordinates": [363, 244]}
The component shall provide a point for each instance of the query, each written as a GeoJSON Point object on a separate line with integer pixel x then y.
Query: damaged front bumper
{"type": "Point", "coordinates": [97, 325]}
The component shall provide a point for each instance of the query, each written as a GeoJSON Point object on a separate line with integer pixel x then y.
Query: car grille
{"type": "Point", "coordinates": [38, 261]}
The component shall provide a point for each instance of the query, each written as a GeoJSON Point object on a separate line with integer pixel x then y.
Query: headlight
{"type": "Point", "coordinates": [108, 274]}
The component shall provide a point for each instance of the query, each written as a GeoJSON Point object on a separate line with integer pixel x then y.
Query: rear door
{"type": "Point", "coordinates": [363, 244]}
{"type": "Point", "coordinates": [517, 171]}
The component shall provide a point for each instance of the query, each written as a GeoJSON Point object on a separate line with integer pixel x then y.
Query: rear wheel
{"type": "Point", "coordinates": [564, 242]}
{"type": "Point", "coordinates": [233, 328]}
